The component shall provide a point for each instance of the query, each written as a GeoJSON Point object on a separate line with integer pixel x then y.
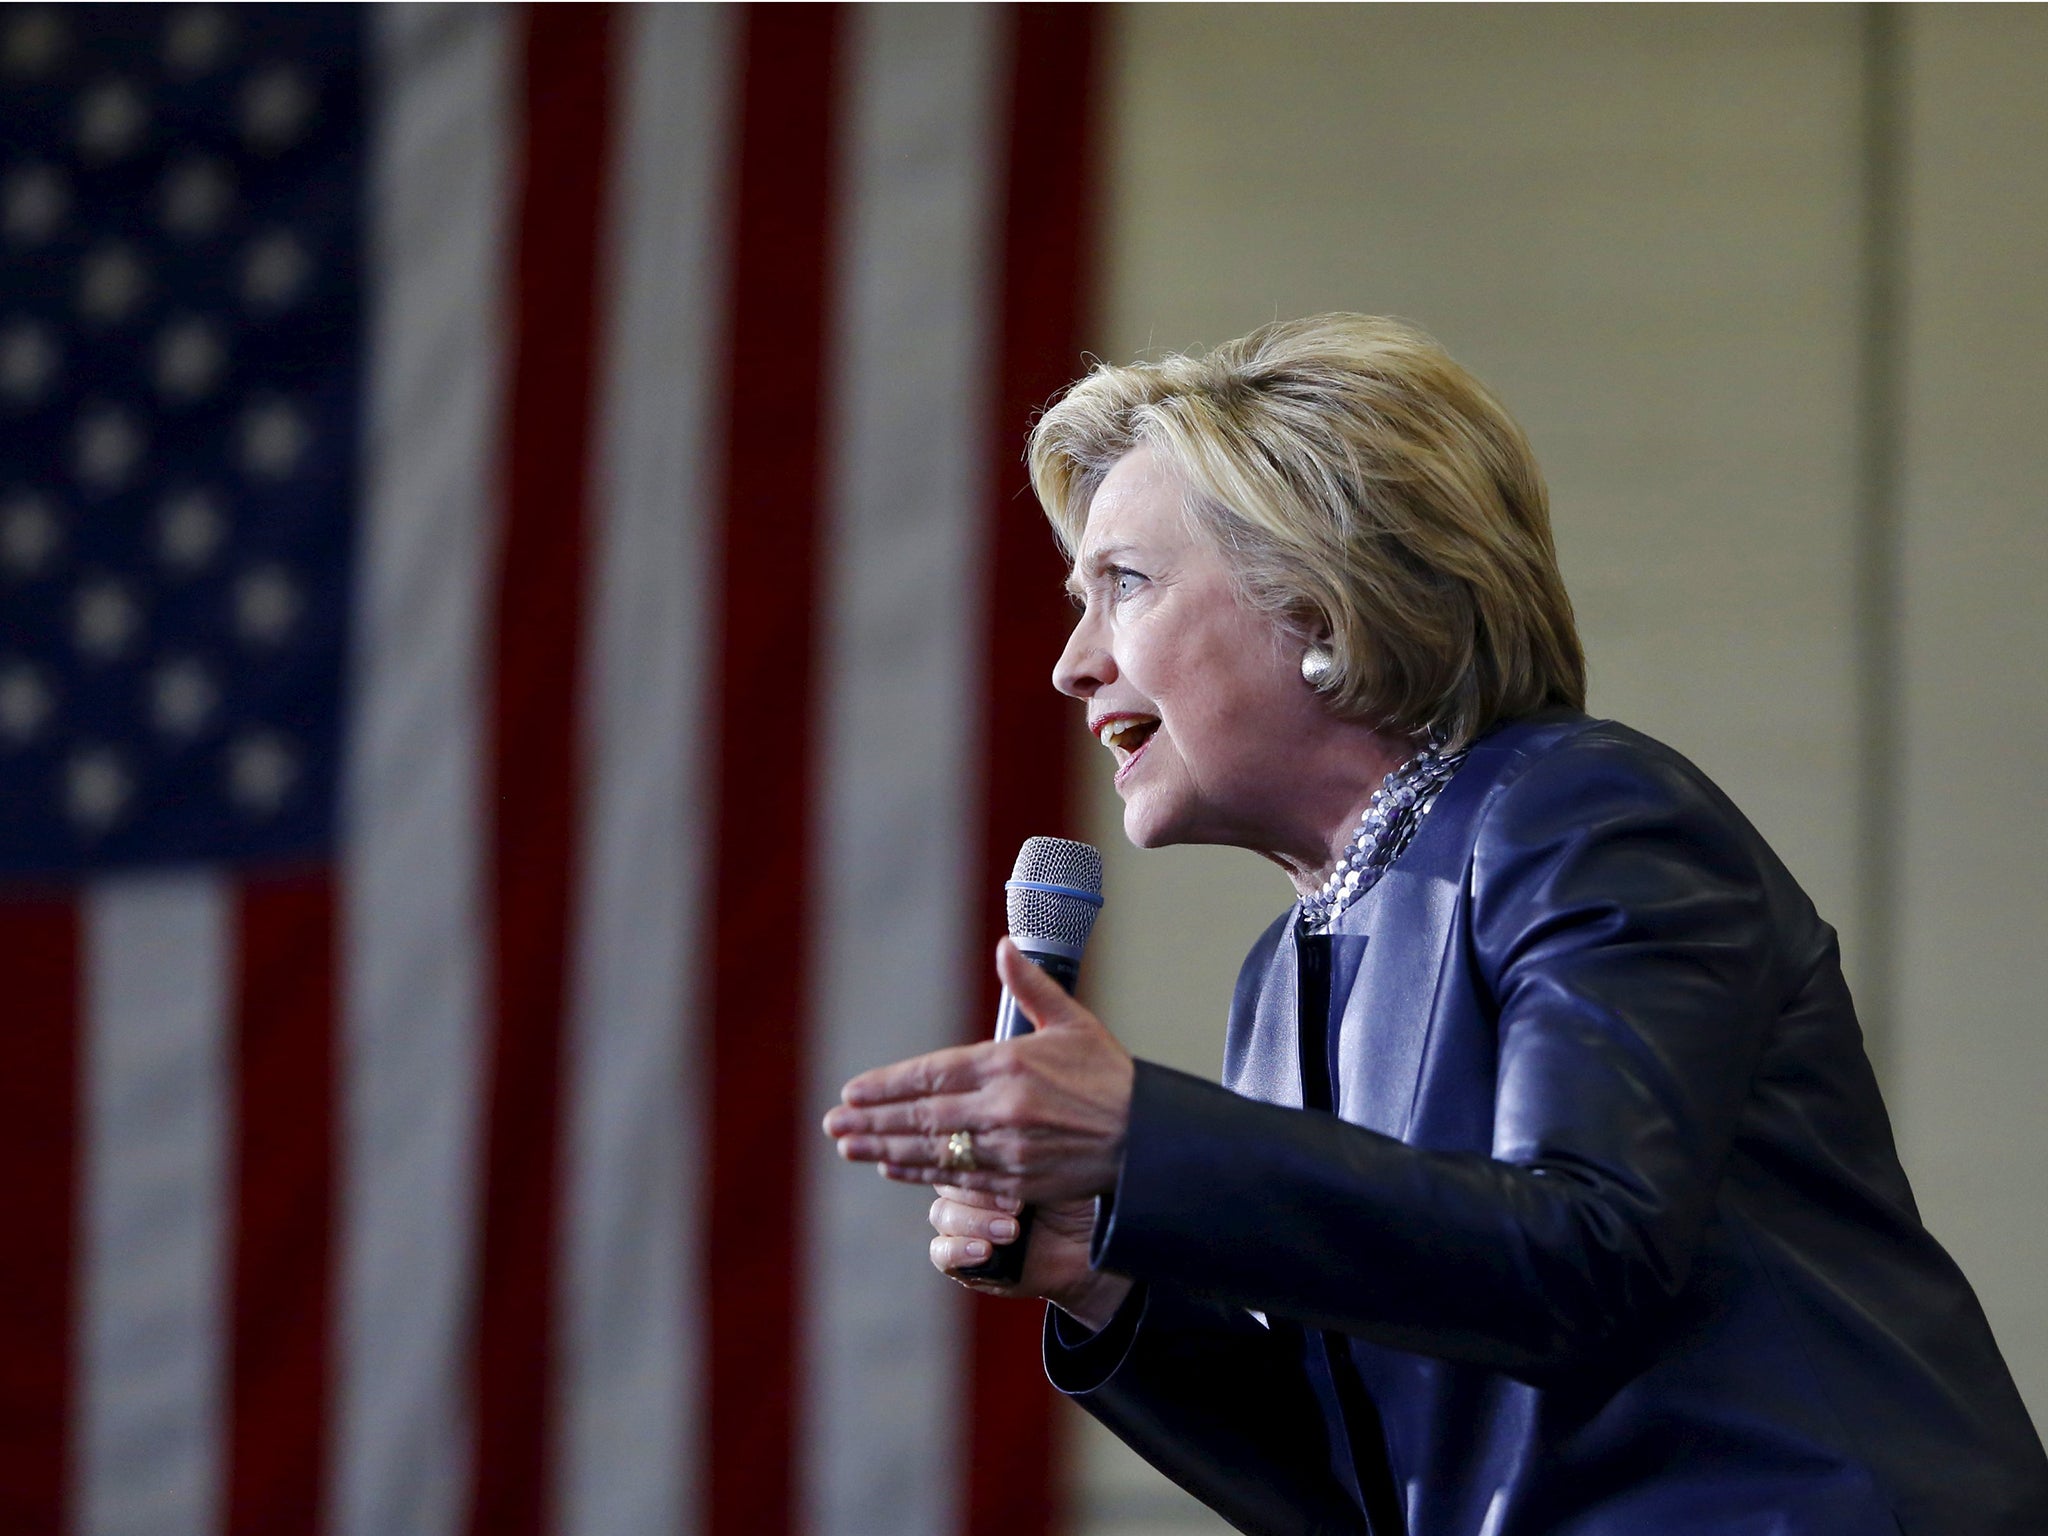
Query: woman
{"type": "Point", "coordinates": [1549, 1189]}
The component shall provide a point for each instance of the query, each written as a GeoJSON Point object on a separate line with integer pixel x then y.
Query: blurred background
{"type": "Point", "coordinates": [523, 649]}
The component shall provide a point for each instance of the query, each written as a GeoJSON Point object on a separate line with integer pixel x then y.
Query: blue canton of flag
{"type": "Point", "coordinates": [180, 216]}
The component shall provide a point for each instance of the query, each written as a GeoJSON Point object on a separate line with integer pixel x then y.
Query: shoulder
{"type": "Point", "coordinates": [1560, 749]}
{"type": "Point", "coordinates": [1572, 774]}
{"type": "Point", "coordinates": [1591, 816]}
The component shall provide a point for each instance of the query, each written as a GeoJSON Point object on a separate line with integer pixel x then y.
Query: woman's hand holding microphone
{"type": "Point", "coordinates": [1043, 1117]}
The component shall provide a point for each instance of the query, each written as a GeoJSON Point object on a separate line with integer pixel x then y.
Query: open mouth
{"type": "Point", "coordinates": [1125, 736]}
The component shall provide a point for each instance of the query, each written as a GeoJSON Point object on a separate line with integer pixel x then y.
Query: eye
{"type": "Point", "coordinates": [1124, 582]}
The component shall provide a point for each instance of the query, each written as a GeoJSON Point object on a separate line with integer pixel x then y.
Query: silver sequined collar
{"type": "Point", "coordinates": [1397, 809]}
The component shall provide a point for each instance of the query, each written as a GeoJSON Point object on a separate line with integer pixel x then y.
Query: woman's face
{"type": "Point", "coordinates": [1198, 697]}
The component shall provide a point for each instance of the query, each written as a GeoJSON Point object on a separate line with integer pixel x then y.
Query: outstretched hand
{"type": "Point", "coordinates": [1047, 1112]}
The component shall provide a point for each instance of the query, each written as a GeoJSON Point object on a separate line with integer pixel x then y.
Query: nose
{"type": "Point", "coordinates": [1085, 665]}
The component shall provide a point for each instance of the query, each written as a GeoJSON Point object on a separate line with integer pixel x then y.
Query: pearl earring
{"type": "Point", "coordinates": [1316, 666]}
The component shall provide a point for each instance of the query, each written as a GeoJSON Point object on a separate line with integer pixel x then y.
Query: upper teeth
{"type": "Point", "coordinates": [1112, 731]}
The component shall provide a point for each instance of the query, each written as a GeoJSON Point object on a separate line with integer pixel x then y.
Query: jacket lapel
{"type": "Point", "coordinates": [1259, 1057]}
{"type": "Point", "coordinates": [1387, 959]}
{"type": "Point", "coordinates": [1395, 941]}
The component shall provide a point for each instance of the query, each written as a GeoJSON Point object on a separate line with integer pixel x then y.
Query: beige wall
{"type": "Point", "coordinates": [1969, 1068]}
{"type": "Point", "coordinates": [1641, 226]}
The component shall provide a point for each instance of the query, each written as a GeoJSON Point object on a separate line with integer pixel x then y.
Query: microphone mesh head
{"type": "Point", "coordinates": [1065, 920]}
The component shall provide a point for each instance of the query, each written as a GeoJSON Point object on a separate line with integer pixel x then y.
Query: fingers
{"type": "Point", "coordinates": [987, 1199]}
{"type": "Point", "coordinates": [990, 1182]}
{"type": "Point", "coordinates": [939, 1115]}
{"type": "Point", "coordinates": [956, 1069]}
{"type": "Point", "coordinates": [967, 1234]}
{"type": "Point", "coordinates": [952, 1254]}
{"type": "Point", "coordinates": [924, 1155]}
{"type": "Point", "coordinates": [952, 1218]}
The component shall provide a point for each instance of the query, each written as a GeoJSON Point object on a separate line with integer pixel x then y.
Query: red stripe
{"type": "Point", "coordinates": [38, 1148]}
{"type": "Point", "coordinates": [534, 733]}
{"type": "Point", "coordinates": [765, 774]}
{"type": "Point", "coordinates": [284, 1154]}
{"type": "Point", "coordinates": [1045, 271]}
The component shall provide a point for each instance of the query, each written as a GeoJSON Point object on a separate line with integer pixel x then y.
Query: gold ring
{"type": "Point", "coordinates": [959, 1154]}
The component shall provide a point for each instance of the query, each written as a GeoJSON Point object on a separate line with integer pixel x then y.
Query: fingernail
{"type": "Point", "coordinates": [977, 1251]}
{"type": "Point", "coordinates": [1002, 1229]}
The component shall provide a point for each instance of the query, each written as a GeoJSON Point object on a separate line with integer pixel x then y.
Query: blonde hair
{"type": "Point", "coordinates": [1369, 494]}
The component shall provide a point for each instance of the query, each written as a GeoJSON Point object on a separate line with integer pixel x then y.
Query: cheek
{"type": "Point", "coordinates": [1249, 717]}
{"type": "Point", "coordinates": [1222, 687]}
{"type": "Point", "coordinates": [1221, 736]}
{"type": "Point", "coordinates": [1243, 676]}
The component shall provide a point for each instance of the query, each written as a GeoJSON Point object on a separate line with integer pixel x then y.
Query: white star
{"type": "Point", "coordinates": [28, 361]}
{"type": "Point", "coordinates": [274, 271]}
{"type": "Point", "coordinates": [104, 619]}
{"type": "Point", "coordinates": [182, 697]}
{"type": "Point", "coordinates": [195, 39]}
{"type": "Point", "coordinates": [274, 438]}
{"type": "Point", "coordinates": [35, 40]}
{"type": "Point", "coordinates": [29, 534]}
{"type": "Point", "coordinates": [111, 115]}
{"type": "Point", "coordinates": [108, 445]}
{"type": "Point", "coordinates": [189, 359]}
{"type": "Point", "coordinates": [276, 104]}
{"type": "Point", "coordinates": [267, 605]}
{"type": "Point", "coordinates": [110, 284]}
{"type": "Point", "coordinates": [97, 788]}
{"type": "Point", "coordinates": [262, 768]}
{"type": "Point", "coordinates": [25, 703]}
{"type": "Point", "coordinates": [33, 202]}
{"type": "Point", "coordinates": [189, 530]}
{"type": "Point", "coordinates": [196, 196]}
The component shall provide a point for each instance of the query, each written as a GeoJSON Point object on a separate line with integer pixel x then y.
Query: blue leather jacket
{"type": "Point", "coordinates": [1601, 1230]}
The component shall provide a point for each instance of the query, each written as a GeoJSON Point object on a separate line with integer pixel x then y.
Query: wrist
{"type": "Point", "coordinates": [1093, 1300]}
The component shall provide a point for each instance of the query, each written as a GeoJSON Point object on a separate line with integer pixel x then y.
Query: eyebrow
{"type": "Point", "coordinates": [1097, 560]}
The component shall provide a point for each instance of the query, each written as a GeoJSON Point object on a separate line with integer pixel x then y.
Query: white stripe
{"type": "Point", "coordinates": [157, 1187]}
{"type": "Point", "coordinates": [629, 1353]}
{"type": "Point", "coordinates": [412, 937]}
{"type": "Point", "coordinates": [898, 803]}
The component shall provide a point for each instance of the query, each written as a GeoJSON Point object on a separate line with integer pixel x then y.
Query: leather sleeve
{"type": "Point", "coordinates": [1214, 1400]}
{"type": "Point", "coordinates": [1618, 920]}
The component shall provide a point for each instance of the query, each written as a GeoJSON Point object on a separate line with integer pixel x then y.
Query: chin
{"type": "Point", "coordinates": [1147, 826]}
{"type": "Point", "coordinates": [1141, 836]}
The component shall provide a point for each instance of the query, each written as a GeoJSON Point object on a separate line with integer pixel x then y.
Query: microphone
{"type": "Point", "coordinates": [1054, 895]}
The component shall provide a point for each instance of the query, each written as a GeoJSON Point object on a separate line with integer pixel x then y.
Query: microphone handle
{"type": "Point", "coordinates": [1005, 1263]}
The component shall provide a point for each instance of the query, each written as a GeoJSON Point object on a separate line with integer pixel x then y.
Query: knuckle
{"type": "Point", "coordinates": [1010, 1102]}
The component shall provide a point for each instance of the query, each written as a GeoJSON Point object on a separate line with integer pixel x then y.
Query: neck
{"type": "Point", "coordinates": [1366, 760]}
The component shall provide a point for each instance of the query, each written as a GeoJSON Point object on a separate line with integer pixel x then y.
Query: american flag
{"type": "Point", "coordinates": [522, 665]}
